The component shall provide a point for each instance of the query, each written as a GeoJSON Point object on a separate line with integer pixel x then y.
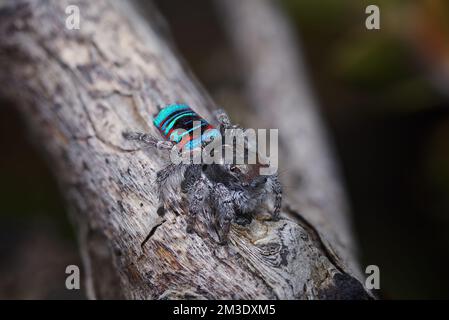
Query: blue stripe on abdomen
{"type": "Point", "coordinates": [180, 116]}
{"type": "Point", "coordinates": [167, 111]}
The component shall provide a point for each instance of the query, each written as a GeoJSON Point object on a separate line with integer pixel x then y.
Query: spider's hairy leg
{"type": "Point", "coordinates": [191, 176]}
{"type": "Point", "coordinates": [244, 207]}
{"type": "Point", "coordinates": [224, 206]}
{"type": "Point", "coordinates": [246, 201]}
{"type": "Point", "coordinates": [197, 196]}
{"type": "Point", "coordinates": [148, 140]}
{"type": "Point", "coordinates": [162, 180]}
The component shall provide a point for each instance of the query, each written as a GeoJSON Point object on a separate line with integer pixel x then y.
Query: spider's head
{"type": "Point", "coordinates": [237, 176]}
{"type": "Point", "coordinates": [247, 175]}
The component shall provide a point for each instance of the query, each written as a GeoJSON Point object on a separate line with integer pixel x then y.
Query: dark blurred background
{"type": "Point", "coordinates": [384, 96]}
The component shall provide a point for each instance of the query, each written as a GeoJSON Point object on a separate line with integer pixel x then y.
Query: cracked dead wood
{"type": "Point", "coordinates": [77, 91]}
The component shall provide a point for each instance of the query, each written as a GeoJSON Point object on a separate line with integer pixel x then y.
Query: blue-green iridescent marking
{"type": "Point", "coordinates": [196, 142]}
{"type": "Point", "coordinates": [185, 132]}
{"type": "Point", "coordinates": [176, 114]}
{"type": "Point", "coordinates": [167, 111]}
{"type": "Point", "coordinates": [177, 118]}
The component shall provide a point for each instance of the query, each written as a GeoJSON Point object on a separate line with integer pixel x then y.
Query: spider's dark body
{"type": "Point", "coordinates": [227, 192]}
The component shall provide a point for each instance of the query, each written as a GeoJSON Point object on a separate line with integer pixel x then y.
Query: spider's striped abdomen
{"type": "Point", "coordinates": [177, 122]}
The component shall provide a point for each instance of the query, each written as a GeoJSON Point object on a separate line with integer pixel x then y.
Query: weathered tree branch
{"type": "Point", "coordinates": [78, 90]}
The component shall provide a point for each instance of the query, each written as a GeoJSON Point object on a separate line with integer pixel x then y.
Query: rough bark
{"type": "Point", "coordinates": [78, 90]}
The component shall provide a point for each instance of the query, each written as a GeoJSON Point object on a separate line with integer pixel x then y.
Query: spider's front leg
{"type": "Point", "coordinates": [164, 180]}
{"type": "Point", "coordinates": [148, 140]}
{"type": "Point", "coordinates": [224, 206]}
{"type": "Point", "coordinates": [191, 177]}
{"type": "Point", "coordinates": [197, 196]}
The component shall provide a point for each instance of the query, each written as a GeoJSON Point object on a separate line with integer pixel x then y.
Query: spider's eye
{"type": "Point", "coordinates": [234, 169]}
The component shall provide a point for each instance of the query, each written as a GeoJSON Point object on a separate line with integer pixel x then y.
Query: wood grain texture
{"type": "Point", "coordinates": [78, 90]}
